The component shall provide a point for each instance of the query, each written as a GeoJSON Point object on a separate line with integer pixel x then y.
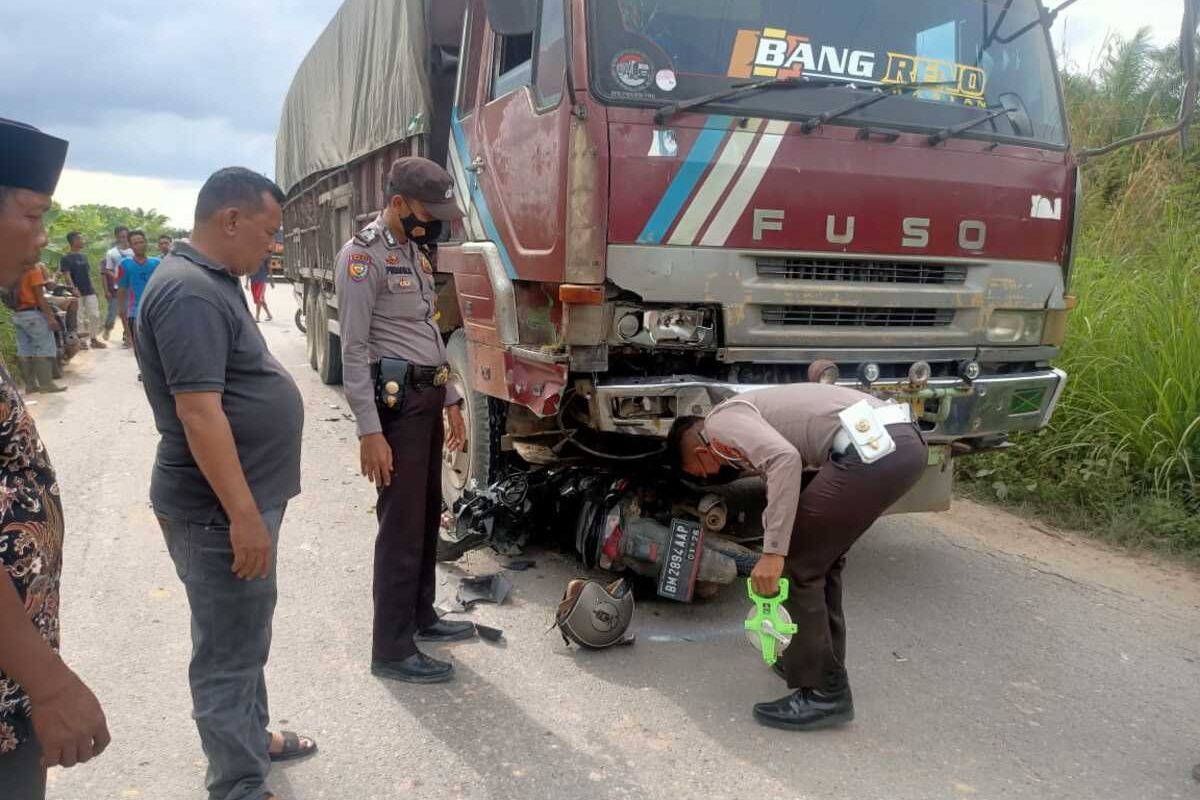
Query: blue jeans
{"type": "Point", "coordinates": [110, 316]}
{"type": "Point", "coordinates": [34, 337]}
{"type": "Point", "coordinates": [231, 639]}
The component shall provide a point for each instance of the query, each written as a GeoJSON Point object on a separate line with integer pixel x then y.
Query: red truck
{"type": "Point", "coordinates": [670, 201]}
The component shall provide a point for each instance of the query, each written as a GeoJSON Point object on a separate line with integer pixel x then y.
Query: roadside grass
{"type": "Point", "coordinates": [1121, 458]}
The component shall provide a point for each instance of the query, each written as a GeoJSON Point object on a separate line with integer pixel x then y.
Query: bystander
{"type": "Point", "coordinates": [36, 323]}
{"type": "Point", "coordinates": [110, 271]}
{"type": "Point", "coordinates": [48, 716]}
{"type": "Point", "coordinates": [258, 290]}
{"type": "Point", "coordinates": [135, 274]}
{"type": "Point", "coordinates": [231, 418]}
{"type": "Point", "coordinates": [79, 274]}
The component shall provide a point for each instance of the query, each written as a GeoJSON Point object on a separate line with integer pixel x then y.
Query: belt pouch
{"type": "Point", "coordinates": [391, 382]}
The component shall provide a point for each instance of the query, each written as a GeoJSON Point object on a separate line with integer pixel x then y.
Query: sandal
{"type": "Point", "coordinates": [292, 748]}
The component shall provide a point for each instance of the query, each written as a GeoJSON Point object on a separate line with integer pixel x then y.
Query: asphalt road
{"type": "Point", "coordinates": [989, 659]}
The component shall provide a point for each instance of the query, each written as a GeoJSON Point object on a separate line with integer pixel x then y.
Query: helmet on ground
{"type": "Point", "coordinates": [594, 615]}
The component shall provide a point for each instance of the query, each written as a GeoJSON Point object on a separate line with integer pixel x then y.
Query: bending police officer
{"type": "Point", "coordinates": [395, 375]}
{"type": "Point", "coordinates": [780, 432]}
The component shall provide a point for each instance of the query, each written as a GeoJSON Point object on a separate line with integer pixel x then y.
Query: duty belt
{"type": "Point", "coordinates": [426, 377]}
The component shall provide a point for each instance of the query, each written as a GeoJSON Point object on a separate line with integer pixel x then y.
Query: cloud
{"type": "Point", "coordinates": [167, 145]}
{"type": "Point", "coordinates": [176, 199]}
{"type": "Point", "coordinates": [166, 89]}
{"type": "Point", "coordinates": [1081, 30]}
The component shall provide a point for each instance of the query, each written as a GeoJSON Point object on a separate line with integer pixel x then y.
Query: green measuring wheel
{"type": "Point", "coordinates": [769, 626]}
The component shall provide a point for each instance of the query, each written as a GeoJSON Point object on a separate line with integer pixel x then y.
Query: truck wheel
{"type": "Point", "coordinates": [299, 320]}
{"type": "Point", "coordinates": [329, 347]}
{"type": "Point", "coordinates": [479, 460]}
{"type": "Point", "coordinates": [314, 324]}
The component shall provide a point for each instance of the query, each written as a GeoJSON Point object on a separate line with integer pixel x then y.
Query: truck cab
{"type": "Point", "coordinates": [673, 201]}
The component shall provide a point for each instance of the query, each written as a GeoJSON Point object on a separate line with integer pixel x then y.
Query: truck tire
{"type": "Point", "coordinates": [329, 347]}
{"type": "Point", "coordinates": [310, 334]}
{"type": "Point", "coordinates": [480, 460]}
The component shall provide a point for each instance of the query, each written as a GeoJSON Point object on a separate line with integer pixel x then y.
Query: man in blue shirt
{"type": "Point", "coordinates": [135, 274]}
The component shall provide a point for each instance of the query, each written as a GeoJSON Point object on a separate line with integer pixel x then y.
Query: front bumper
{"type": "Point", "coordinates": [996, 405]}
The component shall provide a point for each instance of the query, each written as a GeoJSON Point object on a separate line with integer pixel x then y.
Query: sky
{"type": "Point", "coordinates": [154, 96]}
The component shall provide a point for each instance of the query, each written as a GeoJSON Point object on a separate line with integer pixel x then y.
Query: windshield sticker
{"type": "Point", "coordinates": [664, 144]}
{"type": "Point", "coordinates": [665, 80]}
{"type": "Point", "coordinates": [968, 84]}
{"type": "Point", "coordinates": [774, 53]}
{"type": "Point", "coordinates": [632, 70]}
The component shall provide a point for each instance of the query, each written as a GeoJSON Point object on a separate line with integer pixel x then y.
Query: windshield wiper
{"type": "Point", "coordinates": [811, 124]}
{"type": "Point", "coordinates": [666, 112]}
{"type": "Point", "coordinates": [947, 133]}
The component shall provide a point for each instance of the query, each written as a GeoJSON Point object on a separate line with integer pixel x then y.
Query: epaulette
{"type": "Point", "coordinates": [367, 236]}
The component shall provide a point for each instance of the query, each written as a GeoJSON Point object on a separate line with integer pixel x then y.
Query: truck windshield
{"type": "Point", "coordinates": [654, 52]}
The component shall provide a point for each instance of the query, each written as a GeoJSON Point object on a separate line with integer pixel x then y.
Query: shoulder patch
{"type": "Point", "coordinates": [359, 266]}
{"type": "Point", "coordinates": [367, 236]}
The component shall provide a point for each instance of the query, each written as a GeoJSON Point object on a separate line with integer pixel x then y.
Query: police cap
{"type": "Point", "coordinates": [30, 159]}
{"type": "Point", "coordinates": [421, 179]}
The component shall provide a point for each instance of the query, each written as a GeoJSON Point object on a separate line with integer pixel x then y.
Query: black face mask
{"type": "Point", "coordinates": [421, 232]}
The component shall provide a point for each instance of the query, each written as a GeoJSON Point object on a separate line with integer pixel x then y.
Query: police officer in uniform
{"type": "Point", "coordinates": [395, 375]}
{"type": "Point", "coordinates": [809, 526]}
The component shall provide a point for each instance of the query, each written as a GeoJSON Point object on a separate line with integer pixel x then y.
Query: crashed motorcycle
{"type": "Point", "coordinates": [614, 522]}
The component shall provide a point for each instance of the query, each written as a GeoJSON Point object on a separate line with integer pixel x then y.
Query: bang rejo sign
{"type": "Point", "coordinates": [775, 53]}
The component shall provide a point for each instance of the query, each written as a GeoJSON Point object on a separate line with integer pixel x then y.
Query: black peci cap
{"type": "Point", "coordinates": [30, 159]}
{"type": "Point", "coordinates": [421, 179]}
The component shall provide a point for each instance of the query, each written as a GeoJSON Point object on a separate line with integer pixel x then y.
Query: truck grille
{"type": "Point", "coordinates": [861, 271]}
{"type": "Point", "coordinates": [854, 317]}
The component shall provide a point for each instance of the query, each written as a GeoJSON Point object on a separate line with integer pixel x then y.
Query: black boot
{"type": "Point", "coordinates": [447, 630]}
{"type": "Point", "coordinates": [417, 668]}
{"type": "Point", "coordinates": [808, 709]}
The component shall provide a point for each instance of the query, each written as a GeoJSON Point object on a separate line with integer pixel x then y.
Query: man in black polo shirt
{"type": "Point", "coordinates": [230, 417]}
{"type": "Point", "coordinates": [79, 272]}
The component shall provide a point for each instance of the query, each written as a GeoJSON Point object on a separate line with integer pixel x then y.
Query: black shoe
{"type": "Point", "coordinates": [807, 709]}
{"type": "Point", "coordinates": [445, 630]}
{"type": "Point", "coordinates": [417, 668]}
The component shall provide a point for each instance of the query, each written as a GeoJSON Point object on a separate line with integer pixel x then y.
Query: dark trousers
{"type": "Point", "coordinates": [409, 512]}
{"type": "Point", "coordinates": [231, 639]}
{"type": "Point", "coordinates": [21, 773]}
{"type": "Point", "coordinates": [841, 502]}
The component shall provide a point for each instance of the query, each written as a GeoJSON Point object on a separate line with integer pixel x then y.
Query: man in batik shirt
{"type": "Point", "coordinates": [48, 717]}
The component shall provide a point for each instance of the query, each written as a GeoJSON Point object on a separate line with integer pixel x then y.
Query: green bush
{"type": "Point", "coordinates": [1121, 457]}
{"type": "Point", "coordinates": [1122, 454]}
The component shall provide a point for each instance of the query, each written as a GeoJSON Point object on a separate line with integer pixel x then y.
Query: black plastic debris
{"type": "Point", "coordinates": [489, 634]}
{"type": "Point", "coordinates": [484, 589]}
{"type": "Point", "coordinates": [521, 564]}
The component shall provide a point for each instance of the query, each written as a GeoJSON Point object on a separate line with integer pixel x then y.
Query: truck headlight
{"type": "Point", "coordinates": [682, 326]}
{"type": "Point", "coordinates": [1015, 327]}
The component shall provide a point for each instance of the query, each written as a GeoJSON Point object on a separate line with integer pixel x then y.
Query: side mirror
{"type": "Point", "coordinates": [512, 17]}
